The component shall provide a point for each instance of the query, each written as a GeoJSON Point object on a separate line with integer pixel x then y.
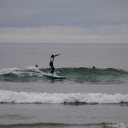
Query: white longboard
{"type": "Point", "coordinates": [53, 76]}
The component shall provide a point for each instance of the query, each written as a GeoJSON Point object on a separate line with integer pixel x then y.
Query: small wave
{"type": "Point", "coordinates": [47, 125]}
{"type": "Point", "coordinates": [61, 98]}
{"type": "Point", "coordinates": [77, 75]}
{"type": "Point", "coordinates": [53, 125]}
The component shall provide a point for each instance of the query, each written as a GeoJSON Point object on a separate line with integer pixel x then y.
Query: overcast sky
{"type": "Point", "coordinates": [64, 21]}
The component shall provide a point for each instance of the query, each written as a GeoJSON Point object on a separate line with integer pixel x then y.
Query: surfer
{"type": "Point", "coordinates": [93, 67]}
{"type": "Point", "coordinates": [51, 62]}
{"type": "Point", "coordinates": [36, 65]}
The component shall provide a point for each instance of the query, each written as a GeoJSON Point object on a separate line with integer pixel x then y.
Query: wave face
{"type": "Point", "coordinates": [77, 75]}
{"type": "Point", "coordinates": [61, 98]}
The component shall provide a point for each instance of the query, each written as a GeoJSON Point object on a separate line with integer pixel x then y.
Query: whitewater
{"type": "Point", "coordinates": [60, 98]}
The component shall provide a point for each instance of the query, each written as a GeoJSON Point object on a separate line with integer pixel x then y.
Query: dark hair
{"type": "Point", "coordinates": [52, 55]}
{"type": "Point", "coordinates": [36, 65]}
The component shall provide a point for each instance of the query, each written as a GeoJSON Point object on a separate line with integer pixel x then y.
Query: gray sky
{"type": "Point", "coordinates": [64, 21]}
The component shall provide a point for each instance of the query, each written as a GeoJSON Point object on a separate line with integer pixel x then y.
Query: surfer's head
{"type": "Point", "coordinates": [52, 56]}
{"type": "Point", "coordinates": [36, 65]}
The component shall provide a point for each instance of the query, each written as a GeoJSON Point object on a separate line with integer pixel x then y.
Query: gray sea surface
{"type": "Point", "coordinates": [96, 98]}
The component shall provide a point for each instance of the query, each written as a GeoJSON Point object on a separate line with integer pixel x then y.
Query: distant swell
{"type": "Point", "coordinates": [61, 98]}
{"type": "Point", "coordinates": [51, 125]}
{"type": "Point", "coordinates": [77, 75]}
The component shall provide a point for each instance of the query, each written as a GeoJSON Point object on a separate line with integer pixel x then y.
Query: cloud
{"type": "Point", "coordinates": [67, 21]}
{"type": "Point", "coordinates": [62, 34]}
{"type": "Point", "coordinates": [36, 13]}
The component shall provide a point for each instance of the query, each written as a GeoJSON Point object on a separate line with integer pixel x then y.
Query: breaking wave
{"type": "Point", "coordinates": [77, 75]}
{"type": "Point", "coordinates": [61, 98]}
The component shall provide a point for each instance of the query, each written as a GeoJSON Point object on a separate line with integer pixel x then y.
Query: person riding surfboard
{"type": "Point", "coordinates": [51, 63]}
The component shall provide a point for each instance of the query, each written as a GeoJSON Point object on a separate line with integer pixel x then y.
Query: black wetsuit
{"type": "Point", "coordinates": [51, 64]}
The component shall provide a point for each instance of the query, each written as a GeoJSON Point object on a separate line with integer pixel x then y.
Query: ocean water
{"type": "Point", "coordinates": [87, 98]}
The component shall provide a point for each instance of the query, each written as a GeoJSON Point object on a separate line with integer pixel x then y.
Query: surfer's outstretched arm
{"type": "Point", "coordinates": [56, 55]}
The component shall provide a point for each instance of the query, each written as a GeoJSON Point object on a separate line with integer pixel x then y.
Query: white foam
{"type": "Point", "coordinates": [8, 71]}
{"type": "Point", "coordinates": [119, 125]}
{"type": "Point", "coordinates": [20, 71]}
{"type": "Point", "coordinates": [34, 97]}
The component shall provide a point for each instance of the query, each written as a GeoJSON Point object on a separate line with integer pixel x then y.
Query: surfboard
{"type": "Point", "coordinates": [53, 76]}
